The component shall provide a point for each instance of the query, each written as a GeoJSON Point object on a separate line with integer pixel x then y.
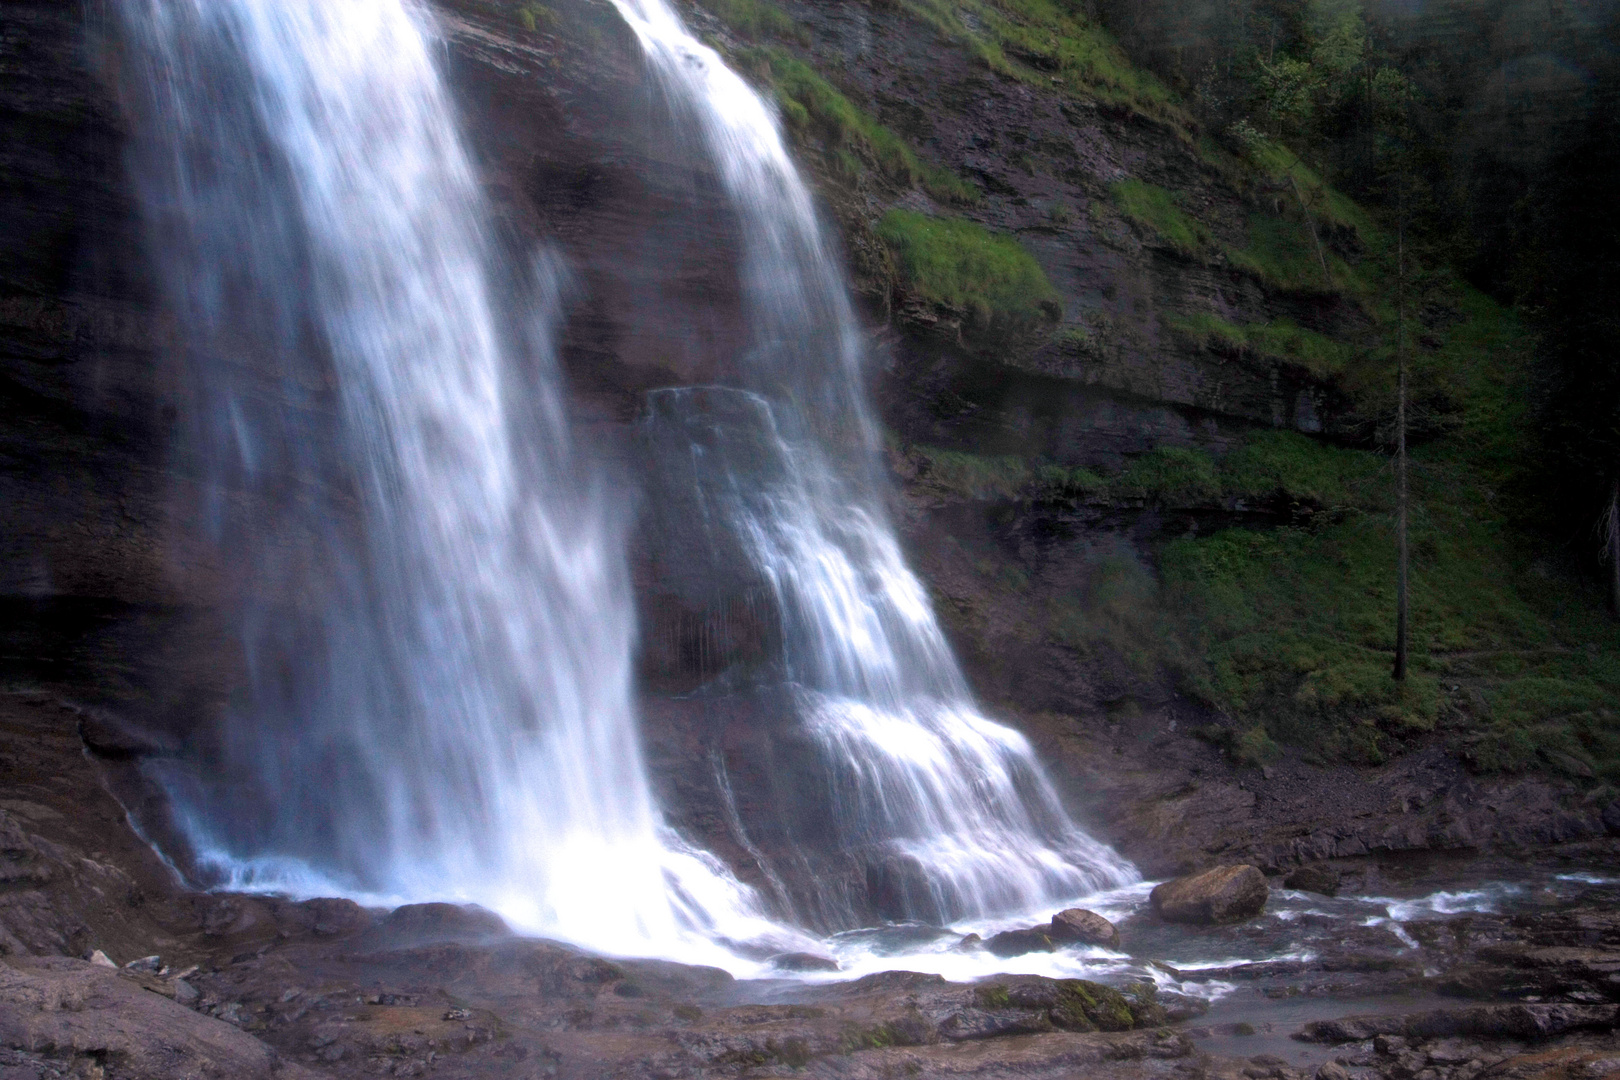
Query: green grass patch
{"type": "Point", "coordinates": [1052, 45]}
{"type": "Point", "coordinates": [754, 20]}
{"type": "Point", "coordinates": [1170, 474]}
{"type": "Point", "coordinates": [1287, 464]}
{"type": "Point", "coordinates": [1058, 481]}
{"type": "Point", "coordinates": [1119, 607]}
{"type": "Point", "coordinates": [973, 475]}
{"type": "Point", "coordinates": [1282, 253]}
{"type": "Point", "coordinates": [1160, 210]}
{"type": "Point", "coordinates": [1280, 339]}
{"type": "Point", "coordinates": [1326, 204]}
{"type": "Point", "coordinates": [813, 106]}
{"type": "Point", "coordinates": [956, 262]}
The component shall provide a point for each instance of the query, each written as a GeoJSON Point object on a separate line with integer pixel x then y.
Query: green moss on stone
{"type": "Point", "coordinates": [1083, 1005]}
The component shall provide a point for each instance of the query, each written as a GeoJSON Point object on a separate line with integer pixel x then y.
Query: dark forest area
{"type": "Point", "coordinates": [1491, 132]}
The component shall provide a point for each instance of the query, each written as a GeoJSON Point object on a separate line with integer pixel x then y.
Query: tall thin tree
{"type": "Point", "coordinates": [1400, 444]}
{"type": "Point", "coordinates": [1611, 543]}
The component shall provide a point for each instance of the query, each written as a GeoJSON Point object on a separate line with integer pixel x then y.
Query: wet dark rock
{"type": "Point", "coordinates": [1081, 927]}
{"type": "Point", "coordinates": [324, 917]}
{"type": "Point", "coordinates": [1479, 1021]}
{"type": "Point", "coordinates": [422, 924]}
{"type": "Point", "coordinates": [1611, 818]}
{"type": "Point", "coordinates": [993, 1023]}
{"type": "Point", "coordinates": [1019, 942]}
{"type": "Point", "coordinates": [1223, 895]}
{"type": "Point", "coordinates": [1528, 971]}
{"type": "Point", "coordinates": [1315, 878]}
{"type": "Point", "coordinates": [83, 1015]}
{"type": "Point", "coordinates": [1182, 1007]}
{"type": "Point", "coordinates": [803, 961]}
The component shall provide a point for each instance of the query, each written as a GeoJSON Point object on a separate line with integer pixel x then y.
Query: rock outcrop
{"type": "Point", "coordinates": [1223, 895]}
{"type": "Point", "coordinates": [1081, 927]}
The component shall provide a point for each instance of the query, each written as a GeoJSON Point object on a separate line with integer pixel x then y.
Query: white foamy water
{"type": "Point", "coordinates": [955, 806]}
{"type": "Point", "coordinates": [434, 606]}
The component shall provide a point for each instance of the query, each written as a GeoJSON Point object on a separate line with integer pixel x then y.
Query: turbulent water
{"type": "Point", "coordinates": [434, 605]}
{"type": "Point", "coordinates": [951, 808]}
{"type": "Point", "coordinates": [433, 601]}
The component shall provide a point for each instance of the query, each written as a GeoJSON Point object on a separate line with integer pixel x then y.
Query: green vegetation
{"type": "Point", "coordinates": [1294, 626]}
{"type": "Point", "coordinates": [536, 17]}
{"type": "Point", "coordinates": [1328, 206]}
{"type": "Point", "coordinates": [1268, 465]}
{"type": "Point", "coordinates": [974, 475]}
{"type": "Point", "coordinates": [1289, 465]}
{"type": "Point", "coordinates": [814, 107]}
{"type": "Point", "coordinates": [1118, 607]}
{"type": "Point", "coordinates": [1280, 339]}
{"type": "Point", "coordinates": [1288, 628]}
{"type": "Point", "coordinates": [1159, 210]}
{"type": "Point", "coordinates": [1047, 44]}
{"type": "Point", "coordinates": [1282, 253]}
{"type": "Point", "coordinates": [961, 264]}
{"type": "Point", "coordinates": [1169, 474]}
{"type": "Point", "coordinates": [754, 20]}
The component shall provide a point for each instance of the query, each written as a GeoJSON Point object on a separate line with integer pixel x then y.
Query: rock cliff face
{"type": "Point", "coordinates": [111, 602]}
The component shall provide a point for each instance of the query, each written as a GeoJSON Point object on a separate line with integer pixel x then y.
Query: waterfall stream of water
{"type": "Point", "coordinates": [952, 808]}
{"type": "Point", "coordinates": [433, 600]}
{"type": "Point", "coordinates": [434, 604]}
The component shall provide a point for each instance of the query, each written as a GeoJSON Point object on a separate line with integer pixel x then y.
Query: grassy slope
{"type": "Point", "coordinates": [1290, 630]}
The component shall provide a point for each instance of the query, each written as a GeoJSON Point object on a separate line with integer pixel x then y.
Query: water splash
{"type": "Point", "coordinates": [952, 812]}
{"type": "Point", "coordinates": [434, 606]}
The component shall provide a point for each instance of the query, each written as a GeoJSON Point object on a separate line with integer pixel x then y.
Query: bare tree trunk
{"type": "Point", "coordinates": [1327, 275]}
{"type": "Point", "coordinates": [1611, 529]}
{"type": "Point", "coordinates": [1400, 455]}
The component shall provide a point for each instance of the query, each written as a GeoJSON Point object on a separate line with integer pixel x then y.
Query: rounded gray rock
{"type": "Point", "coordinates": [1225, 894]}
{"type": "Point", "coordinates": [1077, 926]}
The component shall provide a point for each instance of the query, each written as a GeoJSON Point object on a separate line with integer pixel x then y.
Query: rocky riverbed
{"type": "Point", "coordinates": [1422, 965]}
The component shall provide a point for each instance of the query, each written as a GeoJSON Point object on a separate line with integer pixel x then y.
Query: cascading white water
{"type": "Point", "coordinates": [435, 607]}
{"type": "Point", "coordinates": [791, 464]}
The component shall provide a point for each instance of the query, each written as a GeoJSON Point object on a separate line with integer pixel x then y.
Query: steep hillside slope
{"type": "Point", "coordinates": [1141, 390]}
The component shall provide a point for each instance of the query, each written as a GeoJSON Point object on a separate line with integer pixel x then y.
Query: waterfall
{"type": "Point", "coordinates": [431, 592]}
{"type": "Point", "coordinates": [949, 810]}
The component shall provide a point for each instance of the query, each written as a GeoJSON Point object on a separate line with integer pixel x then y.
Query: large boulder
{"type": "Point", "coordinates": [1225, 894]}
{"type": "Point", "coordinates": [1077, 926]}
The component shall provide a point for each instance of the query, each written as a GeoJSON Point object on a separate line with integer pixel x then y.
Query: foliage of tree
{"type": "Point", "coordinates": [1497, 122]}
